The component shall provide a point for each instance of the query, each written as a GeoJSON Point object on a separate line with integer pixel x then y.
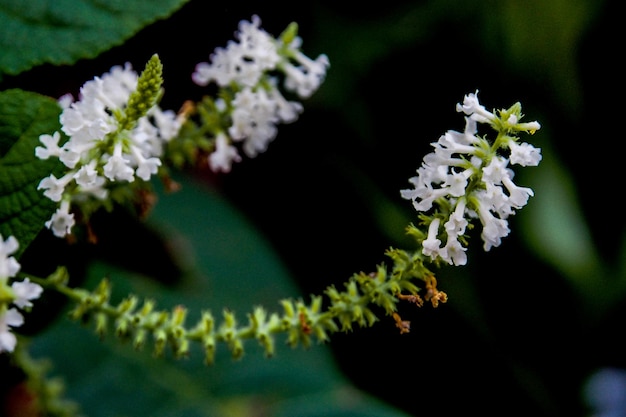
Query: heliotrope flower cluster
{"type": "Point", "coordinates": [468, 177]}
{"type": "Point", "coordinates": [253, 67]}
{"type": "Point", "coordinates": [14, 297]}
{"type": "Point", "coordinates": [115, 133]}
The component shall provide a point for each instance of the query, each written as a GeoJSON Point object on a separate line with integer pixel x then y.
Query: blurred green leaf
{"type": "Point", "coordinates": [540, 40]}
{"type": "Point", "coordinates": [24, 209]}
{"type": "Point", "coordinates": [556, 230]}
{"type": "Point", "coordinates": [35, 32]}
{"type": "Point", "coordinates": [232, 267]}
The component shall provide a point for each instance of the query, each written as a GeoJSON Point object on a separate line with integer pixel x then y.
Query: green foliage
{"type": "Point", "coordinates": [23, 117]}
{"type": "Point", "coordinates": [61, 32]}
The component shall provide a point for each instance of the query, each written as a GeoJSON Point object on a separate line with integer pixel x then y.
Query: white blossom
{"type": "Point", "coordinates": [8, 265]}
{"type": "Point", "coordinates": [524, 154]}
{"type": "Point", "coordinates": [252, 66]}
{"type": "Point", "coordinates": [92, 127]}
{"type": "Point", "coordinates": [10, 318]}
{"type": "Point", "coordinates": [224, 155]}
{"type": "Point", "coordinates": [25, 291]}
{"type": "Point", "coordinates": [431, 245]}
{"type": "Point", "coordinates": [20, 294]}
{"type": "Point", "coordinates": [62, 220]}
{"type": "Point", "coordinates": [466, 177]}
{"type": "Point", "coordinates": [51, 146]}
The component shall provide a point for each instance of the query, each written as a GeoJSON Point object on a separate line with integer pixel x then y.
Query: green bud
{"type": "Point", "coordinates": [289, 34]}
{"type": "Point", "coordinates": [146, 95]}
{"type": "Point", "coordinates": [139, 340]}
{"type": "Point", "coordinates": [101, 324]}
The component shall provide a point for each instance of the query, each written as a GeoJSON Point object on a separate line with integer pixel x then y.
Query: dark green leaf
{"type": "Point", "coordinates": [24, 209]}
{"type": "Point", "coordinates": [35, 32]}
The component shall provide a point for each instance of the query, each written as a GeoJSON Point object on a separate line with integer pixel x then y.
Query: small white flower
{"type": "Point", "coordinates": [495, 171]}
{"type": "Point", "coordinates": [465, 177]}
{"type": "Point", "coordinates": [167, 124]}
{"type": "Point", "coordinates": [25, 291]}
{"type": "Point", "coordinates": [54, 187]}
{"type": "Point", "coordinates": [432, 245]}
{"type": "Point", "coordinates": [145, 166]}
{"type": "Point", "coordinates": [456, 183]}
{"type": "Point", "coordinates": [51, 146]}
{"type": "Point", "coordinates": [11, 318]}
{"type": "Point", "coordinates": [243, 62]}
{"type": "Point", "coordinates": [118, 167]}
{"type": "Point", "coordinates": [305, 78]}
{"type": "Point", "coordinates": [8, 265]}
{"type": "Point", "coordinates": [517, 195]}
{"type": "Point", "coordinates": [224, 155]}
{"type": "Point", "coordinates": [62, 220]}
{"type": "Point", "coordinates": [20, 293]}
{"type": "Point", "coordinates": [474, 109]}
{"type": "Point", "coordinates": [524, 154]}
{"type": "Point", "coordinates": [457, 223]}
{"type": "Point", "coordinates": [87, 176]}
{"type": "Point", "coordinates": [92, 127]}
{"type": "Point", "coordinates": [454, 253]}
{"type": "Point", "coordinates": [494, 229]}
{"type": "Point", "coordinates": [65, 100]}
{"type": "Point", "coordinates": [252, 66]}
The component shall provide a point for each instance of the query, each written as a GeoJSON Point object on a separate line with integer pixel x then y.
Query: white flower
{"type": "Point", "coordinates": [254, 120]}
{"type": "Point", "coordinates": [87, 176]}
{"type": "Point", "coordinates": [167, 124]}
{"type": "Point", "coordinates": [118, 167]}
{"type": "Point", "coordinates": [65, 100]}
{"type": "Point", "coordinates": [55, 187]}
{"type": "Point", "coordinates": [224, 155]}
{"type": "Point", "coordinates": [432, 245]}
{"type": "Point", "coordinates": [524, 154]}
{"type": "Point", "coordinates": [243, 63]}
{"type": "Point", "coordinates": [305, 78]}
{"type": "Point", "coordinates": [24, 292]}
{"type": "Point", "coordinates": [93, 126]}
{"type": "Point", "coordinates": [474, 109]}
{"type": "Point", "coordinates": [495, 170]}
{"type": "Point", "coordinates": [465, 177]}
{"type": "Point", "coordinates": [518, 196]}
{"type": "Point", "coordinates": [11, 318]}
{"type": "Point", "coordinates": [252, 66]}
{"type": "Point", "coordinates": [454, 253]}
{"type": "Point", "coordinates": [19, 293]}
{"type": "Point", "coordinates": [8, 265]}
{"type": "Point", "coordinates": [457, 223]}
{"type": "Point", "coordinates": [51, 146]}
{"type": "Point", "coordinates": [494, 228]}
{"type": "Point", "coordinates": [456, 183]}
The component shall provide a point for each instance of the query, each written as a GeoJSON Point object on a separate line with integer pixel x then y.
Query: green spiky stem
{"type": "Point", "coordinates": [302, 322]}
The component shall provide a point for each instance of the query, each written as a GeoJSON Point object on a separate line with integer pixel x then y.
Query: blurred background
{"type": "Point", "coordinates": [528, 324]}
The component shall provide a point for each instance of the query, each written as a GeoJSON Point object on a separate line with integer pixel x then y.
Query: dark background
{"type": "Point", "coordinates": [317, 193]}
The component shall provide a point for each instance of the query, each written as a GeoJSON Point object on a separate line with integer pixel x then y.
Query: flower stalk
{"type": "Point", "coordinates": [302, 322]}
{"type": "Point", "coordinates": [465, 180]}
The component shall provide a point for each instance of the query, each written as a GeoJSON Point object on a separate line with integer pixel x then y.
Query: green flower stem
{"type": "Point", "coordinates": [302, 322]}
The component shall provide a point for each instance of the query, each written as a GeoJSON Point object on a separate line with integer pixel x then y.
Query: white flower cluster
{"type": "Point", "coordinates": [467, 178]}
{"type": "Point", "coordinates": [249, 66]}
{"type": "Point", "coordinates": [98, 151]}
{"type": "Point", "coordinates": [19, 294]}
